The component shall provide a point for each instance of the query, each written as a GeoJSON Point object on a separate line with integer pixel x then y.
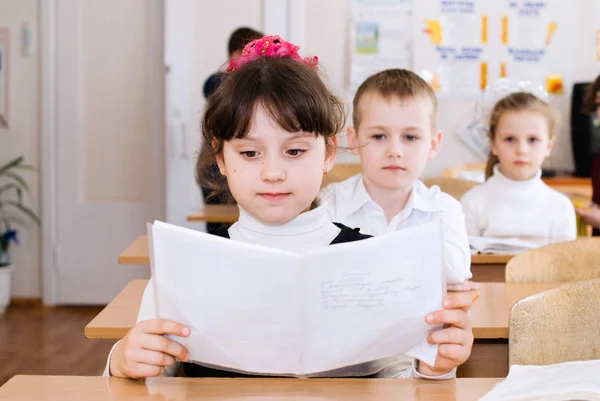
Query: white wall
{"type": "Point", "coordinates": [325, 36]}
{"type": "Point", "coordinates": [22, 136]}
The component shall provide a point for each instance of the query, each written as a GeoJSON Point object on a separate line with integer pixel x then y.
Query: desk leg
{"type": "Point", "coordinates": [489, 358]}
{"type": "Point", "coordinates": [488, 273]}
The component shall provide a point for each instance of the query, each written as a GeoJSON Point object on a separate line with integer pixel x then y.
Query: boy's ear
{"type": "Point", "coordinates": [353, 144]}
{"type": "Point", "coordinates": [436, 143]}
{"type": "Point", "coordinates": [330, 153]}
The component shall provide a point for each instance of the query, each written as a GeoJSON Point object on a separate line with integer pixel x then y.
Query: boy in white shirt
{"type": "Point", "coordinates": [394, 133]}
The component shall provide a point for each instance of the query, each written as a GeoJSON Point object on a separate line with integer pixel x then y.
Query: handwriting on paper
{"type": "Point", "coordinates": [364, 290]}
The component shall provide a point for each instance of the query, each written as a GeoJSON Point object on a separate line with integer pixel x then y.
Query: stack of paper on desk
{"type": "Point", "coordinates": [561, 382]}
{"type": "Point", "coordinates": [500, 245]}
{"type": "Point", "coordinates": [261, 310]}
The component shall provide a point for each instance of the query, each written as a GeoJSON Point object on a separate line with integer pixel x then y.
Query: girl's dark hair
{"type": "Point", "coordinates": [589, 99]}
{"type": "Point", "coordinates": [291, 92]}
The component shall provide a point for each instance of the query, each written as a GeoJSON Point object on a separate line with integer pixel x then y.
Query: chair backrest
{"type": "Point", "coordinates": [471, 171]}
{"type": "Point", "coordinates": [454, 187]}
{"type": "Point", "coordinates": [558, 325]}
{"type": "Point", "coordinates": [341, 171]}
{"type": "Point", "coordinates": [556, 263]}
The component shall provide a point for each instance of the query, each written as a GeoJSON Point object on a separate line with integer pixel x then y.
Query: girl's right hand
{"type": "Point", "coordinates": [144, 351]}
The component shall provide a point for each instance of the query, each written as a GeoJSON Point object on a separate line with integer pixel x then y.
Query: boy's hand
{"type": "Point", "coordinates": [464, 286]}
{"type": "Point", "coordinates": [144, 351]}
{"type": "Point", "coordinates": [456, 338]}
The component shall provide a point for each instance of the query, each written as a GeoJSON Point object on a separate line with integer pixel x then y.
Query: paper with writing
{"type": "Point", "coordinates": [266, 311]}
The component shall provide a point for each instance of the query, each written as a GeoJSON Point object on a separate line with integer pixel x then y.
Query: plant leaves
{"type": "Point", "coordinates": [18, 179]}
{"type": "Point", "coordinates": [11, 164]}
{"type": "Point", "coordinates": [17, 188]}
{"type": "Point", "coordinates": [26, 167]}
{"type": "Point", "coordinates": [24, 209]}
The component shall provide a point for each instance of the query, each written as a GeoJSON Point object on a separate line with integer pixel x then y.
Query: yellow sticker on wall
{"type": "Point", "coordinates": [554, 84]}
{"type": "Point", "coordinates": [484, 74]}
{"type": "Point", "coordinates": [598, 45]}
{"type": "Point", "coordinates": [484, 29]}
{"type": "Point", "coordinates": [434, 30]}
{"type": "Point", "coordinates": [503, 70]}
{"type": "Point", "coordinates": [504, 36]}
{"type": "Point", "coordinates": [551, 29]}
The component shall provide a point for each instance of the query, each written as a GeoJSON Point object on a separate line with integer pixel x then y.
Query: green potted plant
{"type": "Point", "coordinates": [13, 215]}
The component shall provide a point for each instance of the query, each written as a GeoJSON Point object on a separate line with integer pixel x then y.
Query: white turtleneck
{"type": "Point", "coordinates": [307, 231]}
{"type": "Point", "coordinates": [502, 207]}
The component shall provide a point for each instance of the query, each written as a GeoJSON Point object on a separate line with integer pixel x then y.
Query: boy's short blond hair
{"type": "Point", "coordinates": [395, 83]}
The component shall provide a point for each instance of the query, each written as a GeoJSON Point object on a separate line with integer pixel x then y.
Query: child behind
{"type": "Point", "coordinates": [394, 134]}
{"type": "Point", "coordinates": [272, 125]}
{"type": "Point", "coordinates": [514, 201]}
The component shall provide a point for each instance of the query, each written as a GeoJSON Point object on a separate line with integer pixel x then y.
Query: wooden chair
{"type": "Point", "coordinates": [464, 171]}
{"type": "Point", "coordinates": [556, 263]}
{"type": "Point", "coordinates": [341, 171]}
{"type": "Point", "coordinates": [558, 325]}
{"type": "Point", "coordinates": [454, 187]}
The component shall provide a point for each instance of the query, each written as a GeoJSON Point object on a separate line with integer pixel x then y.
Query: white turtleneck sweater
{"type": "Point", "coordinates": [307, 231]}
{"type": "Point", "coordinates": [501, 207]}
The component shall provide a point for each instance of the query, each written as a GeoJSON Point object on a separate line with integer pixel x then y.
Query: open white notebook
{"type": "Point", "coordinates": [266, 311]}
{"type": "Point", "coordinates": [500, 245]}
{"type": "Point", "coordinates": [562, 382]}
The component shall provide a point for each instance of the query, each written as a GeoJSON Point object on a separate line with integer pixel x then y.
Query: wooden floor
{"type": "Point", "coordinates": [49, 341]}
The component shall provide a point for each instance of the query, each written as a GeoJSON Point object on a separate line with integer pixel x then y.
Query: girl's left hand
{"type": "Point", "coordinates": [590, 215]}
{"type": "Point", "coordinates": [456, 338]}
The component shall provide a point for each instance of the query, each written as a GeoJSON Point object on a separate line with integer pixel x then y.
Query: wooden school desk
{"type": "Point", "coordinates": [489, 268]}
{"type": "Point", "coordinates": [489, 316]}
{"type": "Point", "coordinates": [98, 388]}
{"type": "Point", "coordinates": [216, 214]}
{"type": "Point", "coordinates": [485, 267]}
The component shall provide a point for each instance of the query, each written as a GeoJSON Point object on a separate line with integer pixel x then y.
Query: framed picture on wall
{"type": "Point", "coordinates": [4, 77]}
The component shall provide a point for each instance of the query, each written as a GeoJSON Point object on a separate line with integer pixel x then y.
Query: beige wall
{"type": "Point", "coordinates": [22, 137]}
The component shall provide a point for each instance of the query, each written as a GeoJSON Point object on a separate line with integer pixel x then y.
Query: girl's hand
{"type": "Point", "coordinates": [590, 215]}
{"type": "Point", "coordinates": [144, 351]}
{"type": "Point", "coordinates": [456, 338]}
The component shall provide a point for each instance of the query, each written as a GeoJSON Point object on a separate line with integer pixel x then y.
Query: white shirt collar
{"type": "Point", "coordinates": [307, 230]}
{"type": "Point", "coordinates": [417, 200]}
{"type": "Point", "coordinates": [504, 180]}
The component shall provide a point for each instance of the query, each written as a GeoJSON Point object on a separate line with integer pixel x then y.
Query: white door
{"type": "Point", "coordinates": [182, 193]}
{"type": "Point", "coordinates": [196, 34]}
{"type": "Point", "coordinates": [109, 143]}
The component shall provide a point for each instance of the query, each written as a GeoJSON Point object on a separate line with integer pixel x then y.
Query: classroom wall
{"type": "Point", "coordinates": [326, 33]}
{"type": "Point", "coordinates": [22, 136]}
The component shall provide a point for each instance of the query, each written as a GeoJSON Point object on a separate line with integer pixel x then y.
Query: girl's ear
{"type": "Point", "coordinates": [330, 153]}
{"type": "Point", "coordinates": [550, 146]}
{"type": "Point", "coordinates": [219, 157]}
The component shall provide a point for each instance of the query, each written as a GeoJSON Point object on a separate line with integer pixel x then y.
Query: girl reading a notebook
{"type": "Point", "coordinates": [272, 126]}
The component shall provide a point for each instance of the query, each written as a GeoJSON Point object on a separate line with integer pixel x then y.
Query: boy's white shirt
{"type": "Point", "coordinates": [349, 203]}
{"type": "Point", "coordinates": [501, 207]}
{"type": "Point", "coordinates": [311, 229]}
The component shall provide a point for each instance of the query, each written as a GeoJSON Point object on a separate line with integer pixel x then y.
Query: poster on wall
{"type": "Point", "coordinates": [529, 30]}
{"type": "Point", "coordinates": [4, 62]}
{"type": "Point", "coordinates": [450, 51]}
{"type": "Point", "coordinates": [381, 37]}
